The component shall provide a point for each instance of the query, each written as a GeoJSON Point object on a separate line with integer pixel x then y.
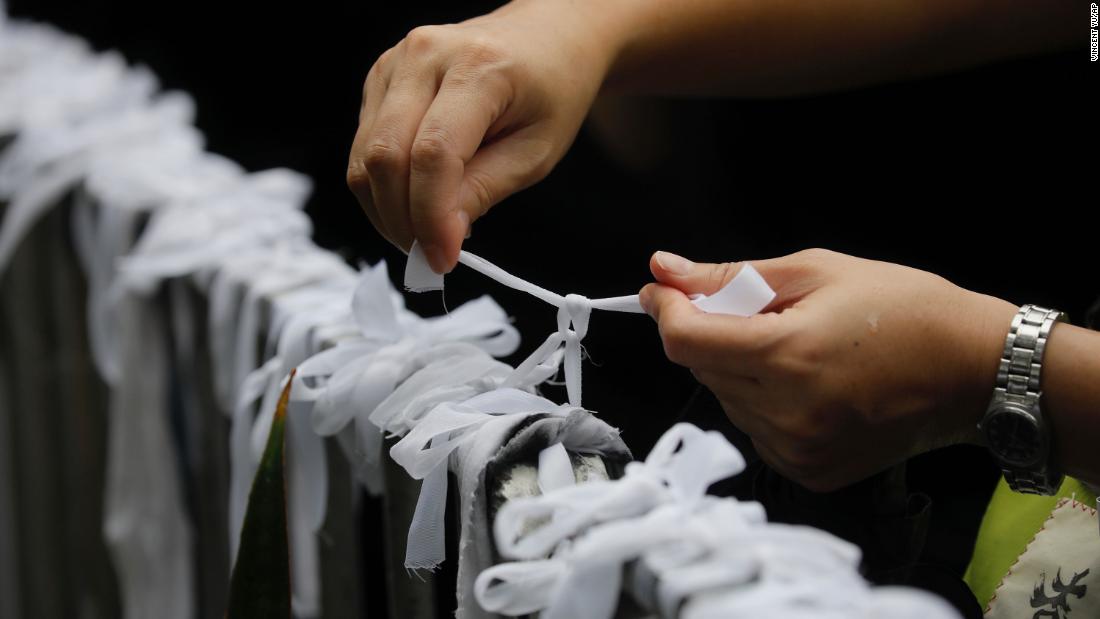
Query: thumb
{"type": "Point", "coordinates": [692, 277]}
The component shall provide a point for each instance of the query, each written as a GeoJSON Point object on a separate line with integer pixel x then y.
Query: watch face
{"type": "Point", "coordinates": [1014, 437]}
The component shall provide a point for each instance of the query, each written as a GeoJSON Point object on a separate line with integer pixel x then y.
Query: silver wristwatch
{"type": "Point", "coordinates": [1014, 427]}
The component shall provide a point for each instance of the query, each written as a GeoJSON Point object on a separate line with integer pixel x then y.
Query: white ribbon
{"type": "Point", "coordinates": [709, 557]}
{"type": "Point", "coordinates": [351, 379]}
{"type": "Point", "coordinates": [262, 211]}
{"type": "Point", "coordinates": [745, 295]}
{"type": "Point", "coordinates": [680, 467]}
{"type": "Point", "coordinates": [183, 238]}
{"type": "Point", "coordinates": [425, 450]}
{"type": "Point", "coordinates": [144, 521]}
{"type": "Point", "coordinates": [677, 472]}
{"type": "Point", "coordinates": [249, 283]}
{"type": "Point", "coordinates": [555, 469]}
{"type": "Point", "coordinates": [312, 282]}
{"type": "Point", "coordinates": [392, 370]}
{"type": "Point", "coordinates": [573, 314]}
{"type": "Point", "coordinates": [583, 578]}
{"type": "Point", "coordinates": [35, 177]}
{"type": "Point", "coordinates": [47, 78]}
{"type": "Point", "coordinates": [116, 193]}
{"type": "Point", "coordinates": [136, 115]}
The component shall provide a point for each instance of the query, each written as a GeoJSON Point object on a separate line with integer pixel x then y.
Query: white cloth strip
{"type": "Point", "coordinates": [419, 277]}
{"type": "Point", "coordinates": [555, 469]}
{"type": "Point", "coordinates": [744, 295]}
{"type": "Point", "coordinates": [710, 557]}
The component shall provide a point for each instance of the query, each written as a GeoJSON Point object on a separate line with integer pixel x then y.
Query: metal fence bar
{"type": "Point", "coordinates": [54, 414]}
{"type": "Point", "coordinates": [53, 422]}
{"type": "Point", "coordinates": [53, 445]}
{"type": "Point", "coordinates": [205, 447]}
{"type": "Point", "coordinates": [10, 589]}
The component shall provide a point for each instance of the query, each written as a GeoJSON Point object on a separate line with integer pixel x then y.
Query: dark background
{"type": "Point", "coordinates": [983, 176]}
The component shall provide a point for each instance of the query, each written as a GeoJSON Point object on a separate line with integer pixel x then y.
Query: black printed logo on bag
{"type": "Point", "coordinates": [1056, 606]}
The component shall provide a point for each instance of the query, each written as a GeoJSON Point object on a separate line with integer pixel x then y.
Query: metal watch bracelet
{"type": "Point", "coordinates": [1018, 376]}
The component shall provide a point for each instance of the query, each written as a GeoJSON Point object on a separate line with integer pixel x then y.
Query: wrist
{"type": "Point", "coordinates": [610, 33]}
{"type": "Point", "coordinates": [597, 29]}
{"type": "Point", "coordinates": [986, 328]}
{"type": "Point", "coordinates": [619, 25]}
{"type": "Point", "coordinates": [1071, 393]}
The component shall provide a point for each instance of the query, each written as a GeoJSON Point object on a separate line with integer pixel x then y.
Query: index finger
{"type": "Point", "coordinates": [449, 135]}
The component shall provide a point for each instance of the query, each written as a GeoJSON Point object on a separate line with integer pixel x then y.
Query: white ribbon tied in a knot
{"type": "Point", "coordinates": [617, 521]}
{"type": "Point", "coordinates": [425, 450]}
{"type": "Point", "coordinates": [703, 556]}
{"type": "Point", "coordinates": [350, 380]}
{"type": "Point", "coordinates": [744, 295]}
{"type": "Point", "coordinates": [573, 317]}
{"type": "Point", "coordinates": [681, 466]}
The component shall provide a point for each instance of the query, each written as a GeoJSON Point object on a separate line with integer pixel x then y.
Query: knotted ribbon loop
{"type": "Point", "coordinates": [692, 548]}
{"type": "Point", "coordinates": [358, 373]}
{"type": "Point", "coordinates": [519, 588]}
{"type": "Point", "coordinates": [425, 450]}
{"type": "Point", "coordinates": [744, 295]}
{"type": "Point", "coordinates": [685, 461]}
{"type": "Point", "coordinates": [688, 460]}
{"type": "Point", "coordinates": [705, 556]}
{"type": "Point", "coordinates": [574, 313]}
{"type": "Point", "coordinates": [583, 579]}
{"type": "Point", "coordinates": [386, 345]}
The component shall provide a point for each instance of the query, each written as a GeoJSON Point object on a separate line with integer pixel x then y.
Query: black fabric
{"type": "Point", "coordinates": [522, 447]}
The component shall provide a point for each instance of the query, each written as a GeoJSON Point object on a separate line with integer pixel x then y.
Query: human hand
{"type": "Point", "coordinates": [455, 118]}
{"type": "Point", "coordinates": [856, 365]}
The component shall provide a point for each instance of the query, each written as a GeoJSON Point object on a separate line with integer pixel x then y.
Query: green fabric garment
{"type": "Point", "coordinates": [1009, 524]}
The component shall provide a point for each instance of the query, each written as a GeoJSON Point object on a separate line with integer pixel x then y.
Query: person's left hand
{"type": "Point", "coordinates": [855, 366]}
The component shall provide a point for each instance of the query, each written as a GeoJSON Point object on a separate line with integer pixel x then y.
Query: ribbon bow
{"type": "Point", "coordinates": [352, 378]}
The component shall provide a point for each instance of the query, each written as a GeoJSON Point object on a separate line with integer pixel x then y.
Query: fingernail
{"type": "Point", "coordinates": [676, 265]}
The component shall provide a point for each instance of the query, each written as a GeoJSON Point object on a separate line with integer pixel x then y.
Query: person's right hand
{"type": "Point", "coordinates": [455, 118]}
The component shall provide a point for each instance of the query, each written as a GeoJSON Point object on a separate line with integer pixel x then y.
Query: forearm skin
{"type": "Point", "coordinates": [1071, 399]}
{"type": "Point", "coordinates": [766, 48]}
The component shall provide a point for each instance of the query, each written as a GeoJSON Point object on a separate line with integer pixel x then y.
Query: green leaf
{"type": "Point", "coordinates": [260, 585]}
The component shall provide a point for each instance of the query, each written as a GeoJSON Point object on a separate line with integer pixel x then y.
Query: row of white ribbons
{"type": "Point", "coordinates": [708, 557]}
{"type": "Point", "coordinates": [154, 213]}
